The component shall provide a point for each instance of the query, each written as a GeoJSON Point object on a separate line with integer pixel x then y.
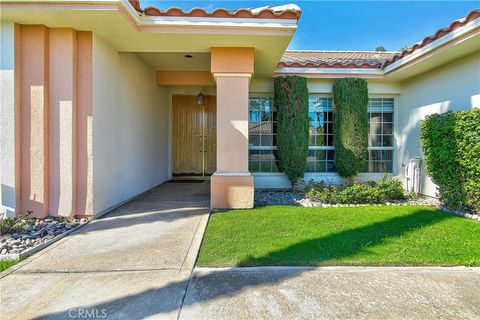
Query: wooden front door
{"type": "Point", "coordinates": [194, 135]}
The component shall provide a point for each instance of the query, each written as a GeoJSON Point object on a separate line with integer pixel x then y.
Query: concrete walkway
{"type": "Point", "coordinates": [134, 262]}
{"type": "Point", "coordinates": [137, 262]}
{"type": "Point", "coordinates": [333, 293]}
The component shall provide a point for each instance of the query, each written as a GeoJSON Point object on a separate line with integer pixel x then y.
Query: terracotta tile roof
{"type": "Point", "coordinates": [136, 5]}
{"type": "Point", "coordinates": [440, 33]}
{"type": "Point", "coordinates": [363, 59]}
{"type": "Point", "coordinates": [289, 11]}
{"type": "Point", "coordinates": [334, 59]}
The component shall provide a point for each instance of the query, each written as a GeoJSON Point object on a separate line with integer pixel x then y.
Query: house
{"type": "Point", "coordinates": [103, 100]}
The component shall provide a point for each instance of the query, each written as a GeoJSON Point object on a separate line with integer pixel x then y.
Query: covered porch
{"type": "Point", "coordinates": [110, 106]}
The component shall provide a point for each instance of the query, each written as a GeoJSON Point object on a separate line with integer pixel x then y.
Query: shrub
{"type": "Point", "coordinates": [291, 102]}
{"type": "Point", "coordinates": [451, 148]}
{"type": "Point", "coordinates": [12, 224]}
{"type": "Point", "coordinates": [386, 190]}
{"type": "Point", "coordinates": [7, 224]}
{"type": "Point", "coordinates": [350, 125]}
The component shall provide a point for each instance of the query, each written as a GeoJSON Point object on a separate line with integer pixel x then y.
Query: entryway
{"type": "Point", "coordinates": [194, 135]}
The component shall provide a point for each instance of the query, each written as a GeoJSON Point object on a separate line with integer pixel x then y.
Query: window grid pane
{"type": "Point", "coordinates": [262, 137]}
{"type": "Point", "coordinates": [321, 154]}
{"type": "Point", "coordinates": [380, 137]}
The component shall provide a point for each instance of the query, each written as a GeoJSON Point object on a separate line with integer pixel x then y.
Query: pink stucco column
{"type": "Point", "coordinates": [62, 117]}
{"type": "Point", "coordinates": [232, 183]}
{"type": "Point", "coordinates": [53, 121]}
{"type": "Point", "coordinates": [32, 87]}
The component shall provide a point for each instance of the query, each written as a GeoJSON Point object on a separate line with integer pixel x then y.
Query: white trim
{"type": "Point", "coordinates": [232, 75]}
{"type": "Point", "coordinates": [145, 20]}
{"type": "Point", "coordinates": [364, 51]}
{"type": "Point", "coordinates": [326, 73]}
{"type": "Point", "coordinates": [232, 174]}
{"type": "Point", "coordinates": [347, 71]}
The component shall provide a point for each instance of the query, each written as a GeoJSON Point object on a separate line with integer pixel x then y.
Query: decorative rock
{"type": "Point", "coordinates": [4, 251]}
{"type": "Point", "coordinates": [35, 234]}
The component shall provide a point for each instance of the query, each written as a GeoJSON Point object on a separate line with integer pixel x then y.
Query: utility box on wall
{"type": "Point", "coordinates": [412, 175]}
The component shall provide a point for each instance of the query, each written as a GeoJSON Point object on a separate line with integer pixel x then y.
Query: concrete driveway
{"type": "Point", "coordinates": [137, 263]}
{"type": "Point", "coordinates": [134, 262]}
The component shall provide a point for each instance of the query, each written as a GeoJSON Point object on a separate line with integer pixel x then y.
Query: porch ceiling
{"type": "Point", "coordinates": [176, 61]}
{"type": "Point", "coordinates": [130, 32]}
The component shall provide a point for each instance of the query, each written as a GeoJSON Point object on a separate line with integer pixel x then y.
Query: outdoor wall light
{"type": "Point", "coordinates": [200, 99]}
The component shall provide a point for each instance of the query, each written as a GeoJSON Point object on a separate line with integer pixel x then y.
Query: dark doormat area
{"type": "Point", "coordinates": [186, 181]}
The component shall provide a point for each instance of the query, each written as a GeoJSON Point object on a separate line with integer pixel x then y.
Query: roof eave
{"type": "Point", "coordinates": [433, 46]}
{"type": "Point", "coordinates": [158, 23]}
{"type": "Point", "coordinates": [368, 73]}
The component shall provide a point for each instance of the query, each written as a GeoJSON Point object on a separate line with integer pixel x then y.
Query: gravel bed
{"type": "Point", "coordinates": [298, 199]}
{"type": "Point", "coordinates": [30, 233]}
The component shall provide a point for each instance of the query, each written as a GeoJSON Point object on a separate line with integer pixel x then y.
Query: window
{"type": "Point", "coordinates": [321, 152]}
{"type": "Point", "coordinates": [380, 137]}
{"type": "Point", "coordinates": [262, 137]}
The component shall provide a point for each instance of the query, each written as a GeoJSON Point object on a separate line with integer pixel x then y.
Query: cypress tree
{"type": "Point", "coordinates": [291, 102]}
{"type": "Point", "coordinates": [350, 125]}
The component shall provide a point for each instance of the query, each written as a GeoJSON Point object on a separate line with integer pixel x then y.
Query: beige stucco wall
{"type": "Point", "coordinates": [324, 86]}
{"type": "Point", "coordinates": [453, 86]}
{"type": "Point", "coordinates": [7, 118]}
{"type": "Point", "coordinates": [130, 127]}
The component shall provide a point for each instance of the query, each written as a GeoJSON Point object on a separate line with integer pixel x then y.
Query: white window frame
{"type": "Point", "coordinates": [266, 148]}
{"type": "Point", "coordinates": [320, 95]}
{"type": "Point", "coordinates": [374, 175]}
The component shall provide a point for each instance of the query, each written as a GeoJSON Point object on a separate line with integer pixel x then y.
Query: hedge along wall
{"type": "Point", "coordinates": [451, 147]}
{"type": "Point", "coordinates": [291, 102]}
{"type": "Point", "coordinates": [350, 125]}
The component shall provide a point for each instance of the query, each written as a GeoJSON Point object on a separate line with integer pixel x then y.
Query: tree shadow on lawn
{"type": "Point", "coordinates": [335, 246]}
{"type": "Point", "coordinates": [224, 282]}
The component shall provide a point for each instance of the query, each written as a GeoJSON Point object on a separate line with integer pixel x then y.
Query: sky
{"type": "Point", "coordinates": [353, 25]}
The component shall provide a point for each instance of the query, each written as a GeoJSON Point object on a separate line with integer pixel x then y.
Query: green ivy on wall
{"type": "Point", "coordinates": [291, 102]}
{"type": "Point", "coordinates": [350, 125]}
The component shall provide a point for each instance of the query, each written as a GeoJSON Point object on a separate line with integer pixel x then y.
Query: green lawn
{"type": "Point", "coordinates": [5, 264]}
{"type": "Point", "coordinates": [376, 235]}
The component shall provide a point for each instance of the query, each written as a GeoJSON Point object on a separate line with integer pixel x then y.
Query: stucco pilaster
{"type": "Point", "coordinates": [62, 120]}
{"type": "Point", "coordinates": [7, 118]}
{"type": "Point", "coordinates": [33, 158]}
{"type": "Point", "coordinates": [232, 183]}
